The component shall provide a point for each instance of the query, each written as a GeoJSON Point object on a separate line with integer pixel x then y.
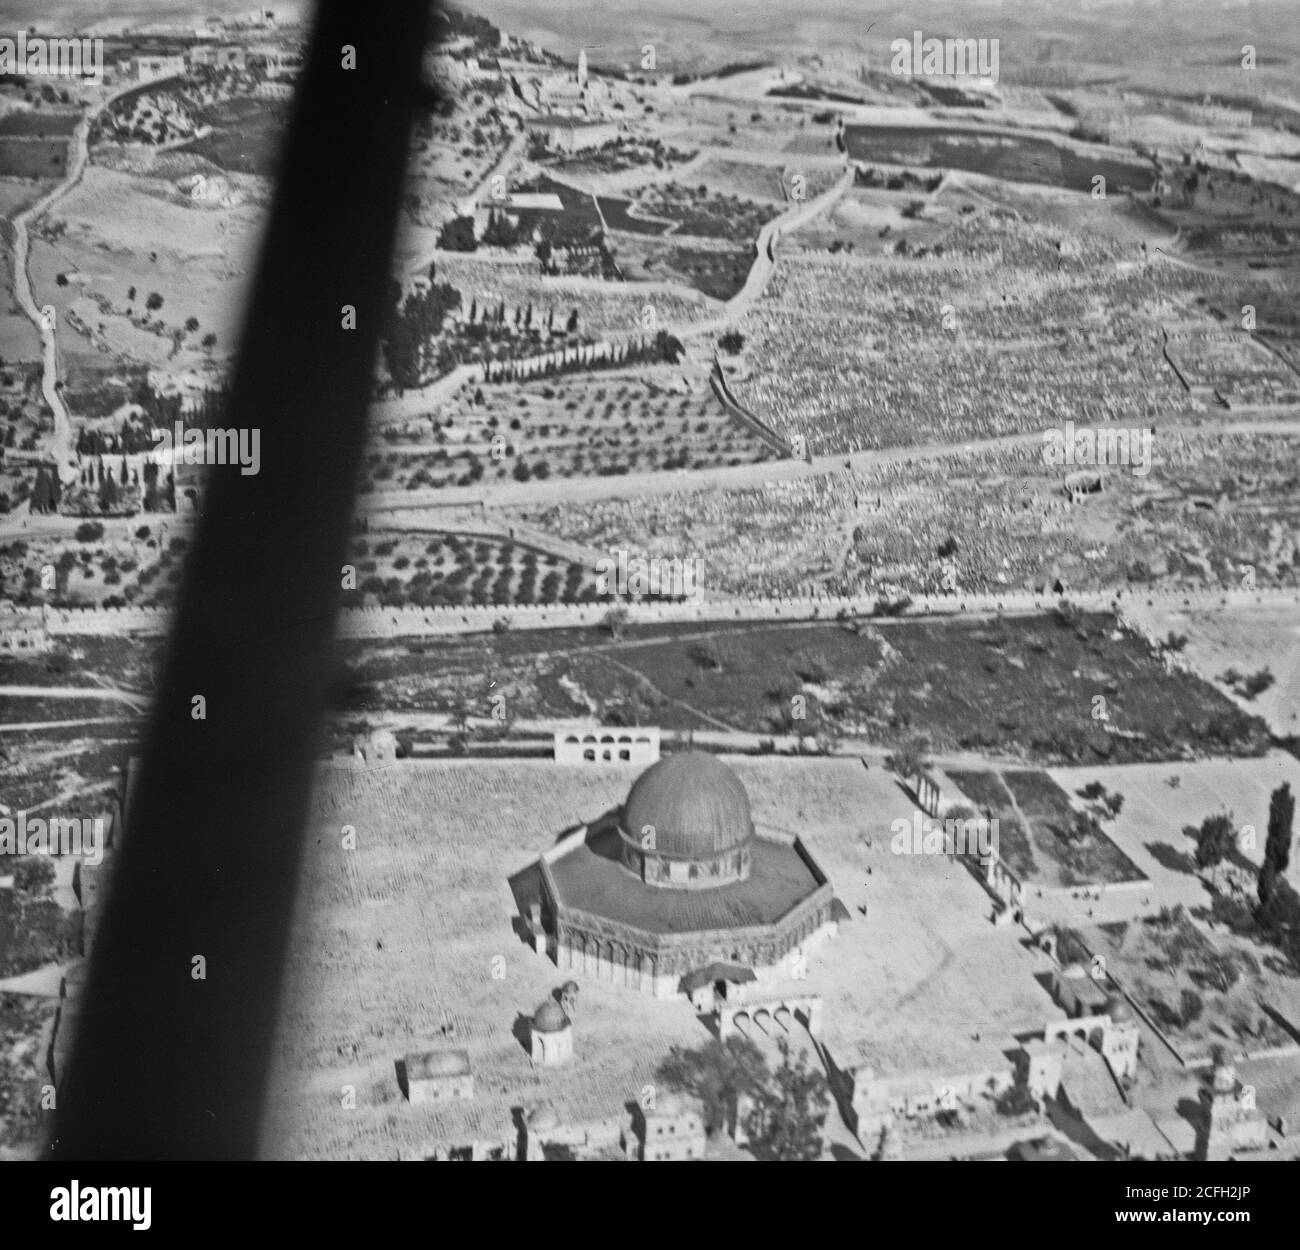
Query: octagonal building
{"type": "Point", "coordinates": [679, 890]}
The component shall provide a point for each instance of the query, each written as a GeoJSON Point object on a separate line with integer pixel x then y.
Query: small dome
{"type": "Point", "coordinates": [549, 1018]}
{"type": "Point", "coordinates": [436, 1063]}
{"type": "Point", "coordinates": [1118, 1010]}
{"type": "Point", "coordinates": [569, 987]}
{"type": "Point", "coordinates": [696, 805]}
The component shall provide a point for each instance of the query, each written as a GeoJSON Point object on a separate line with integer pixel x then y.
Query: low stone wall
{"type": "Point", "coordinates": [415, 622]}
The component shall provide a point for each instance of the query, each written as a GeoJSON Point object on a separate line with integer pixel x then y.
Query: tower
{"type": "Point", "coordinates": [582, 68]}
{"type": "Point", "coordinates": [1229, 1119]}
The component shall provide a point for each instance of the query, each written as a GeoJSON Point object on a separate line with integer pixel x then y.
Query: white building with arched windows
{"type": "Point", "coordinates": [606, 745]}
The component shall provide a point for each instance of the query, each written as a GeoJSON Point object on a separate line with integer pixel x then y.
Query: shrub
{"type": "Point", "coordinates": [1256, 683]}
{"type": "Point", "coordinates": [34, 875]}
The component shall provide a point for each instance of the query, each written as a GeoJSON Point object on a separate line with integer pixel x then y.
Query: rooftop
{"type": "Point", "coordinates": [431, 1064]}
{"type": "Point", "coordinates": [914, 980]}
{"type": "Point", "coordinates": [590, 878]}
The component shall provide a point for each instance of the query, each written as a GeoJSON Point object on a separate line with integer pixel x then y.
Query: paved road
{"type": "Point", "coordinates": [37, 726]}
{"type": "Point", "coordinates": [73, 692]}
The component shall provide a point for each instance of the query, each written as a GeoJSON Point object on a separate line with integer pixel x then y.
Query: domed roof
{"type": "Point", "coordinates": [549, 1018]}
{"type": "Point", "coordinates": [1118, 1010]}
{"type": "Point", "coordinates": [695, 803]}
{"type": "Point", "coordinates": [435, 1063]}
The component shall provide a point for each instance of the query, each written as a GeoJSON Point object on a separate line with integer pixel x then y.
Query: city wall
{"type": "Point", "coordinates": [415, 622]}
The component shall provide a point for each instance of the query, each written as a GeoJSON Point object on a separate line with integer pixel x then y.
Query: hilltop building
{"type": "Point", "coordinates": [144, 69]}
{"type": "Point", "coordinates": [572, 134]}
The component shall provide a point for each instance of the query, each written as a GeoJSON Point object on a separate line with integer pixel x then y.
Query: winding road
{"type": "Point", "coordinates": [63, 443]}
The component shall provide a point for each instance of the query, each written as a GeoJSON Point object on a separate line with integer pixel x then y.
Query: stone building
{"type": "Point", "coordinates": [1230, 1122]}
{"type": "Point", "coordinates": [569, 134]}
{"type": "Point", "coordinates": [1111, 1031]}
{"type": "Point", "coordinates": [880, 1101]}
{"type": "Point", "coordinates": [639, 746]}
{"type": "Point", "coordinates": [678, 881]}
{"type": "Point", "coordinates": [223, 56]}
{"type": "Point", "coordinates": [672, 1129]}
{"type": "Point", "coordinates": [1078, 992]}
{"type": "Point", "coordinates": [438, 1076]}
{"type": "Point", "coordinates": [547, 1137]}
{"type": "Point", "coordinates": [152, 68]}
{"type": "Point", "coordinates": [551, 1034]}
{"type": "Point", "coordinates": [377, 747]}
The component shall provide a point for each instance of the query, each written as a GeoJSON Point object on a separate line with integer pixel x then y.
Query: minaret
{"type": "Point", "coordinates": [1229, 1120]}
{"type": "Point", "coordinates": [582, 68]}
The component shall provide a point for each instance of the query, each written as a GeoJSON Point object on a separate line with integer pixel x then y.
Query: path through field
{"type": "Point", "coordinates": [63, 443]}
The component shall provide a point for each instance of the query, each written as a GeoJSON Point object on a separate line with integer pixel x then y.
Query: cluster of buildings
{"type": "Point", "coordinates": [275, 62]}
{"type": "Point", "coordinates": [677, 898]}
{"type": "Point", "coordinates": [661, 1127]}
{"type": "Point", "coordinates": [562, 110]}
{"type": "Point", "coordinates": [570, 110]}
{"type": "Point", "coordinates": [151, 67]}
{"type": "Point", "coordinates": [676, 895]}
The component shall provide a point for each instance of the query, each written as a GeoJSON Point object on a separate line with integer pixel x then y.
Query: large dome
{"type": "Point", "coordinates": [695, 804]}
